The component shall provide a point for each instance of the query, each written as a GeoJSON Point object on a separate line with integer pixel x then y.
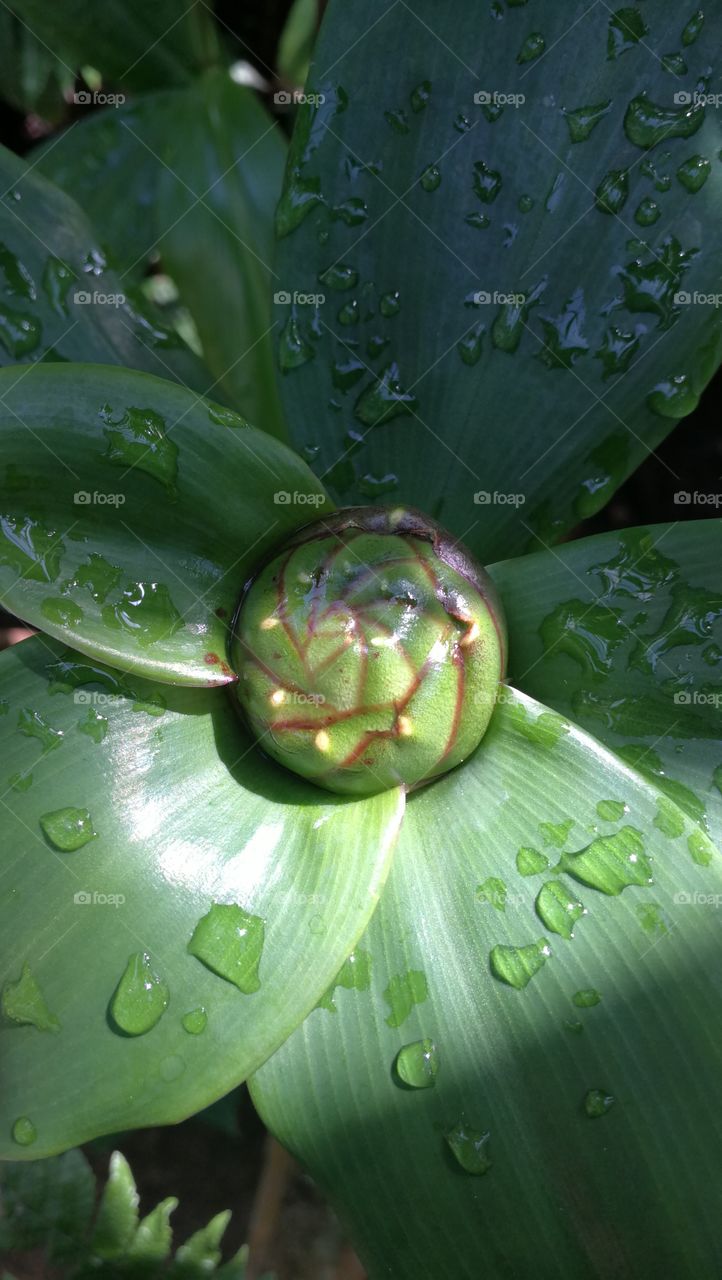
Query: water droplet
{"type": "Point", "coordinates": [544, 730]}
{"type": "Point", "coordinates": [646, 124]}
{"type": "Point", "coordinates": [486, 182]}
{"type": "Point", "coordinates": [587, 998]}
{"type": "Point", "coordinates": [64, 613]}
{"type": "Point", "coordinates": [24, 1132]}
{"type": "Point", "coordinates": [146, 612]}
{"type": "Point", "coordinates": [376, 345]}
{"type": "Point", "coordinates": [353, 212]}
{"type": "Point", "coordinates": [612, 810]}
{"type": "Point", "coordinates": [349, 313]}
{"type": "Point", "coordinates": [470, 346]}
{"type": "Point", "coordinates": [417, 1064]}
{"type": "Point", "coordinates": [626, 28]}
{"type": "Point", "coordinates": [403, 992]}
{"type": "Point", "coordinates": [557, 910]}
{"type": "Point", "coordinates": [651, 919]}
{"type": "Point", "coordinates": [556, 833]}
{"type": "Point", "coordinates": [597, 1102]}
{"type": "Point", "coordinates": [354, 975]}
{"type": "Point", "coordinates": [612, 192]}
{"type": "Point", "coordinates": [397, 120]}
{"type": "Point", "coordinates": [294, 349]}
{"type": "Point", "coordinates": [32, 725]}
{"type": "Point", "coordinates": [517, 965]}
{"type": "Point", "coordinates": [477, 220]}
{"type": "Point", "coordinates": [533, 47]}
{"type": "Point", "coordinates": [390, 304]}
{"type": "Point", "coordinates": [339, 276]}
{"type": "Point", "coordinates": [374, 486]}
{"type": "Point", "coordinates": [57, 279]}
{"type": "Point", "coordinates": [137, 438]}
{"type": "Point", "coordinates": [226, 417]}
{"type": "Point", "coordinates": [431, 178]}
{"type": "Point", "coordinates": [229, 941]}
{"type": "Point", "coordinates": [608, 464]}
{"type": "Point", "coordinates": [384, 399]}
{"type": "Point", "coordinates": [18, 281]}
{"type": "Point", "coordinates": [470, 1148]}
{"type": "Point", "coordinates": [611, 863]}
{"type": "Point", "coordinates": [675, 64]}
{"type": "Point", "coordinates": [94, 725]}
{"type": "Point", "coordinates": [23, 1002]}
{"type": "Point", "coordinates": [530, 862]}
{"type": "Point", "coordinates": [590, 635]}
{"type": "Point", "coordinates": [20, 781]}
{"type": "Point", "coordinates": [564, 341]}
{"type": "Point", "coordinates": [583, 120]}
{"type": "Point", "coordinates": [420, 95]}
{"type": "Point", "coordinates": [493, 892]}
{"type": "Point", "coordinates": [701, 848]}
{"type": "Point", "coordinates": [693, 28]}
{"type": "Point", "coordinates": [647, 212]}
{"type": "Point", "coordinates": [694, 173]}
{"type": "Point", "coordinates": [19, 333]}
{"type": "Point", "coordinates": [669, 820]}
{"type": "Point", "coordinates": [526, 204]}
{"type": "Point", "coordinates": [195, 1021]}
{"type": "Point", "coordinates": [141, 997]}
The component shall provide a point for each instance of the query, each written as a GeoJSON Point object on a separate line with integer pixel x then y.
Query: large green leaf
{"type": "Point", "coordinates": [623, 632]}
{"type": "Point", "coordinates": [183, 813]}
{"type": "Point", "coordinates": [128, 41]}
{"type": "Point", "coordinates": [627, 1009]}
{"type": "Point", "coordinates": [422, 193]}
{"type": "Point", "coordinates": [133, 513]}
{"type": "Point", "coordinates": [59, 299]}
{"type": "Point", "coordinates": [201, 171]}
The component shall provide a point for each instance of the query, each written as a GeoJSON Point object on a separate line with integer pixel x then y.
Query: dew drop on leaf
{"type": "Point", "coordinates": [68, 829]}
{"type": "Point", "coordinates": [229, 941]}
{"type": "Point", "coordinates": [470, 1147]}
{"type": "Point", "coordinates": [417, 1064]}
{"type": "Point", "coordinates": [141, 997]}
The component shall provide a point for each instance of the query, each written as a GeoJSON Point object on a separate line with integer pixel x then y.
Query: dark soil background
{"type": "Point", "coordinates": [223, 1158]}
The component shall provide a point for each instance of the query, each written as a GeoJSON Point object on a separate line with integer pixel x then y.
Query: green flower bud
{"type": "Point", "coordinates": [369, 651]}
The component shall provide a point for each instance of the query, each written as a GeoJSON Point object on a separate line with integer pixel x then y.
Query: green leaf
{"type": "Point", "coordinates": [117, 1221]}
{"type": "Point", "coordinates": [60, 301]}
{"type": "Point", "coordinates": [187, 813]}
{"type": "Point", "coordinates": [133, 513]}
{"type": "Point", "coordinates": [202, 168]}
{"type": "Point", "coordinates": [129, 42]}
{"type": "Point", "coordinates": [508, 1160]}
{"type": "Point", "coordinates": [46, 1204]}
{"type": "Point", "coordinates": [298, 37]}
{"type": "Point", "coordinates": [31, 78]}
{"type": "Point", "coordinates": [490, 325]}
{"type": "Point", "coordinates": [623, 632]}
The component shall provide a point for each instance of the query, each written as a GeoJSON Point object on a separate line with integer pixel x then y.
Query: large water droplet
{"type": "Point", "coordinates": [141, 997]}
{"type": "Point", "coordinates": [68, 829]}
{"type": "Point", "coordinates": [470, 1148]}
{"type": "Point", "coordinates": [23, 1002]}
{"type": "Point", "coordinates": [597, 1102]}
{"type": "Point", "coordinates": [611, 863]}
{"type": "Point", "coordinates": [517, 965]}
{"type": "Point", "coordinates": [229, 941]}
{"type": "Point", "coordinates": [557, 909]}
{"type": "Point", "coordinates": [417, 1064]}
{"type": "Point", "coordinates": [137, 439]}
